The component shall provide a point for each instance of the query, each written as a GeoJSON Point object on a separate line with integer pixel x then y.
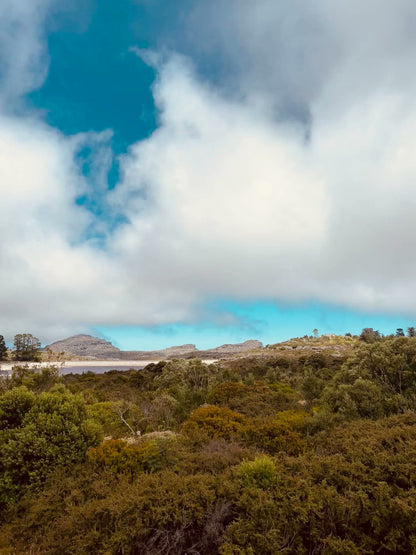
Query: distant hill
{"type": "Point", "coordinates": [230, 349]}
{"type": "Point", "coordinates": [170, 352]}
{"type": "Point", "coordinates": [85, 346]}
{"type": "Point", "coordinates": [238, 347]}
{"type": "Point", "coordinates": [93, 347]}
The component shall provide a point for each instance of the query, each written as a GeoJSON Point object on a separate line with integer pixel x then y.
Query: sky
{"type": "Point", "coordinates": [206, 172]}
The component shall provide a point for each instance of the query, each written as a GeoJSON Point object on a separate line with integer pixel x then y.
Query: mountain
{"type": "Point", "coordinates": [178, 351]}
{"type": "Point", "coordinates": [93, 347]}
{"type": "Point", "coordinates": [85, 346]}
{"type": "Point", "coordinates": [235, 348]}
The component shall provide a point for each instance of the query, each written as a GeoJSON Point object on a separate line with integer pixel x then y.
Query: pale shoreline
{"type": "Point", "coordinates": [68, 364]}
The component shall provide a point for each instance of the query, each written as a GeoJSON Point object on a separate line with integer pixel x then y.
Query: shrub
{"type": "Point", "coordinates": [119, 456]}
{"type": "Point", "coordinates": [256, 399]}
{"type": "Point", "coordinates": [260, 473]}
{"type": "Point", "coordinates": [84, 512]}
{"type": "Point", "coordinates": [14, 405]}
{"type": "Point", "coordinates": [38, 434]}
{"type": "Point", "coordinates": [105, 413]}
{"type": "Point", "coordinates": [214, 422]}
{"type": "Point", "coordinates": [274, 435]}
{"type": "Point", "coordinates": [38, 379]}
{"type": "Point", "coordinates": [223, 393]}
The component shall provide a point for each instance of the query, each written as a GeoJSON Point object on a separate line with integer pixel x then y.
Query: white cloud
{"type": "Point", "coordinates": [224, 199]}
{"type": "Point", "coordinates": [48, 270]}
{"type": "Point", "coordinates": [23, 54]}
{"type": "Point", "coordinates": [225, 191]}
{"type": "Point", "coordinates": [239, 205]}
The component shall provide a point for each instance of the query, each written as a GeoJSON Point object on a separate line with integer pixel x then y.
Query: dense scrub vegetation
{"type": "Point", "coordinates": [294, 450]}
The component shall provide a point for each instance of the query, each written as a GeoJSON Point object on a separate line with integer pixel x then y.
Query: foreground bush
{"type": "Point", "coordinates": [301, 453]}
{"type": "Point", "coordinates": [119, 456]}
{"type": "Point", "coordinates": [258, 399]}
{"type": "Point", "coordinates": [101, 513]}
{"type": "Point", "coordinates": [39, 433]}
{"type": "Point", "coordinates": [354, 492]}
{"type": "Point", "coordinates": [260, 473]}
{"type": "Point", "coordinates": [212, 422]}
{"type": "Point", "coordinates": [274, 436]}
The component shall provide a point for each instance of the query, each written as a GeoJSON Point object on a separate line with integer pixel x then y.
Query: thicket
{"type": "Point", "coordinates": [304, 451]}
{"type": "Point", "coordinates": [26, 347]}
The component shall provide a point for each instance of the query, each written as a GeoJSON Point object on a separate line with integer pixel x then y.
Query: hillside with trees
{"type": "Point", "coordinates": [307, 446]}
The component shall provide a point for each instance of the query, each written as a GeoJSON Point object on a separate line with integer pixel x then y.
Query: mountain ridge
{"type": "Point", "coordinates": [88, 346]}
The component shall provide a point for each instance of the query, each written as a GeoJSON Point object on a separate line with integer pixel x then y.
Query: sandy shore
{"type": "Point", "coordinates": [109, 362]}
{"type": "Point", "coordinates": [117, 364]}
{"type": "Point", "coordinates": [78, 364]}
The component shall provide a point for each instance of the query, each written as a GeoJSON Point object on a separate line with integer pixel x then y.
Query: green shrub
{"type": "Point", "coordinates": [260, 473]}
{"type": "Point", "coordinates": [38, 434]}
{"type": "Point", "coordinates": [119, 456]}
{"type": "Point", "coordinates": [256, 399]}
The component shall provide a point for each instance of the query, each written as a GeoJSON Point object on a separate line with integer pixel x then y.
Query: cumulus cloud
{"type": "Point", "coordinates": [217, 187]}
{"type": "Point", "coordinates": [289, 176]}
{"type": "Point", "coordinates": [45, 271]}
{"type": "Point", "coordinates": [48, 268]}
{"type": "Point", "coordinates": [291, 54]}
{"type": "Point", "coordinates": [223, 201]}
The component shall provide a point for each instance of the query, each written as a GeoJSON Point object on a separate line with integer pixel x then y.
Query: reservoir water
{"type": "Point", "coordinates": [68, 369]}
{"type": "Point", "coordinates": [80, 366]}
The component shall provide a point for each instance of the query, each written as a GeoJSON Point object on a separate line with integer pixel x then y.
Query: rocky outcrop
{"type": "Point", "coordinates": [178, 351]}
{"type": "Point", "coordinates": [235, 348]}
